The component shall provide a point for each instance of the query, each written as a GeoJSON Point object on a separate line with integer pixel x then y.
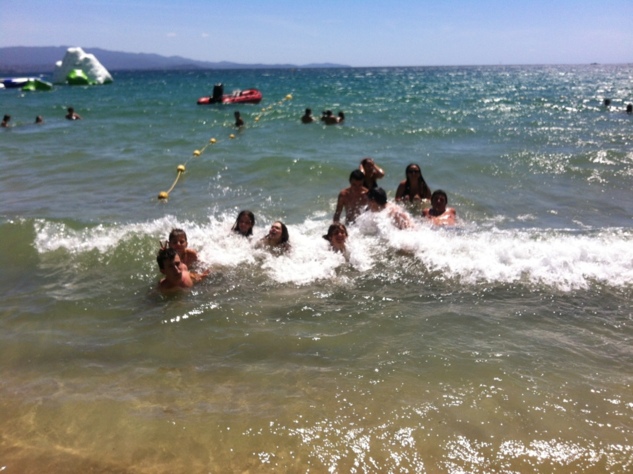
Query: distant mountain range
{"type": "Point", "coordinates": [42, 59]}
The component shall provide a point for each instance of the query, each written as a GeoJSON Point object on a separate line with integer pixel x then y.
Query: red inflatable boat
{"type": "Point", "coordinates": [247, 96]}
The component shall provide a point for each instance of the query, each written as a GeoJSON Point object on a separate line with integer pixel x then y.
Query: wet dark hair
{"type": "Point", "coordinates": [332, 228]}
{"type": "Point", "coordinates": [439, 192]}
{"type": "Point", "coordinates": [236, 226]}
{"type": "Point", "coordinates": [285, 236]}
{"type": "Point", "coordinates": [165, 253]}
{"type": "Point", "coordinates": [378, 195]}
{"type": "Point", "coordinates": [356, 175]}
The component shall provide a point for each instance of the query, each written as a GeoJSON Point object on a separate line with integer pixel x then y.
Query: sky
{"type": "Point", "coordinates": [359, 33]}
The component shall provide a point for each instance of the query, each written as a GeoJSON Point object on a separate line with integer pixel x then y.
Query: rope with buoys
{"type": "Point", "coordinates": [270, 107]}
{"type": "Point", "coordinates": [180, 169]}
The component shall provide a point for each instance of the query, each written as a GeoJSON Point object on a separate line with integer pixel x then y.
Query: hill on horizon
{"type": "Point", "coordinates": [31, 59]}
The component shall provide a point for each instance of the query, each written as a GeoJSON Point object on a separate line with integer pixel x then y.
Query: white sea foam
{"type": "Point", "coordinates": [472, 254]}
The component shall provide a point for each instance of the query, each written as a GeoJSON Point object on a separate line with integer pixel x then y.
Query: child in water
{"type": "Point", "coordinates": [277, 240]}
{"type": "Point", "coordinates": [438, 213]}
{"type": "Point", "coordinates": [337, 236]}
{"type": "Point", "coordinates": [178, 242]}
{"type": "Point", "coordinates": [244, 223]}
{"type": "Point", "coordinates": [177, 275]}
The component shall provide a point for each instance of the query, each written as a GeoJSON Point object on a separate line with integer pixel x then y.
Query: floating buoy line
{"type": "Point", "coordinates": [180, 169]}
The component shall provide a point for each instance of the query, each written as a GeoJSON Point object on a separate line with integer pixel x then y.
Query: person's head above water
{"type": "Point", "coordinates": [439, 199]}
{"type": "Point", "coordinates": [377, 195]}
{"type": "Point", "coordinates": [336, 236]}
{"type": "Point", "coordinates": [278, 233]}
{"type": "Point", "coordinates": [413, 170]}
{"type": "Point", "coordinates": [165, 254]}
{"type": "Point", "coordinates": [244, 223]}
{"type": "Point", "coordinates": [356, 175]}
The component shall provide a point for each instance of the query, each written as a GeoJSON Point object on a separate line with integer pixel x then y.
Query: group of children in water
{"type": "Point", "coordinates": [363, 194]}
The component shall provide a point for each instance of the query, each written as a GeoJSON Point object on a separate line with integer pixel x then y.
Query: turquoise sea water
{"type": "Point", "coordinates": [501, 345]}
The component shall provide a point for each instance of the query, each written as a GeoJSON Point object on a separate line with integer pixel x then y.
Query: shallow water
{"type": "Point", "coordinates": [501, 345]}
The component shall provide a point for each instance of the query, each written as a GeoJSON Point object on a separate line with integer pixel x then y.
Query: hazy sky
{"type": "Point", "coordinates": [351, 32]}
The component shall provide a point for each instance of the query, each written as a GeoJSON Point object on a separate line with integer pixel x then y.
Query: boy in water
{"type": "Point", "coordinates": [176, 274]}
{"type": "Point", "coordinates": [178, 242]}
{"type": "Point", "coordinates": [439, 214]}
{"type": "Point", "coordinates": [353, 198]}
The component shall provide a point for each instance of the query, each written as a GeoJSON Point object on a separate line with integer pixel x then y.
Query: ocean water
{"type": "Point", "coordinates": [502, 345]}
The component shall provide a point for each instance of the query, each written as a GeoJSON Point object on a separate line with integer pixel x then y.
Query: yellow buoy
{"type": "Point", "coordinates": [231, 136]}
{"type": "Point", "coordinates": [163, 195]}
{"type": "Point", "coordinates": [289, 97]}
{"type": "Point", "coordinates": [196, 153]}
{"type": "Point", "coordinates": [212, 141]}
{"type": "Point", "coordinates": [181, 168]}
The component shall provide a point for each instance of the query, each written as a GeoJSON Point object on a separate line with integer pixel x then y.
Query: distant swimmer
{"type": "Point", "coordinates": [438, 212]}
{"type": "Point", "coordinates": [629, 109]}
{"type": "Point", "coordinates": [337, 236]}
{"type": "Point", "coordinates": [371, 172]}
{"type": "Point", "coordinates": [378, 203]}
{"type": "Point", "coordinates": [341, 117]}
{"type": "Point", "coordinates": [307, 117]}
{"type": "Point", "coordinates": [238, 119]}
{"type": "Point", "coordinates": [330, 119]}
{"type": "Point", "coordinates": [352, 199]}
{"type": "Point", "coordinates": [5, 121]}
{"type": "Point", "coordinates": [413, 188]}
{"type": "Point", "coordinates": [178, 241]}
{"type": "Point", "coordinates": [277, 240]}
{"type": "Point", "coordinates": [39, 119]}
{"type": "Point", "coordinates": [244, 223]}
{"type": "Point", "coordinates": [606, 102]}
{"type": "Point", "coordinates": [177, 275]}
{"type": "Point", "coordinates": [326, 116]}
{"type": "Point", "coordinates": [72, 115]}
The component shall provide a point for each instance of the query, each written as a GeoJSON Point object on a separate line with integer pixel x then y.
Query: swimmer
{"type": "Point", "coordinates": [72, 115]}
{"type": "Point", "coordinates": [5, 121]}
{"type": "Point", "coordinates": [244, 223]}
{"type": "Point", "coordinates": [413, 188]}
{"type": "Point", "coordinates": [341, 117]}
{"type": "Point", "coordinates": [629, 109]}
{"type": "Point", "coordinates": [176, 274]}
{"type": "Point", "coordinates": [329, 118]}
{"type": "Point", "coordinates": [353, 198]}
{"type": "Point", "coordinates": [337, 236]}
{"type": "Point", "coordinates": [238, 119]}
{"type": "Point", "coordinates": [307, 117]}
{"type": "Point", "coordinates": [178, 242]}
{"type": "Point", "coordinates": [277, 239]}
{"type": "Point", "coordinates": [438, 212]}
{"type": "Point", "coordinates": [39, 119]}
{"type": "Point", "coordinates": [378, 203]}
{"type": "Point", "coordinates": [372, 172]}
